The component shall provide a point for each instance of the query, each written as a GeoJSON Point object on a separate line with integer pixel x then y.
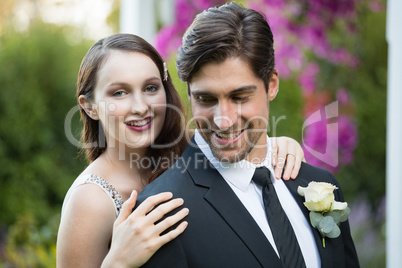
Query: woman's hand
{"type": "Point", "coordinates": [136, 237]}
{"type": "Point", "coordinates": [287, 151]}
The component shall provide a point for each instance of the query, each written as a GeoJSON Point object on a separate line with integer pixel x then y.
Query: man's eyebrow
{"type": "Point", "coordinates": [243, 89]}
{"type": "Point", "coordinates": [201, 92]}
{"type": "Point", "coordinates": [235, 91]}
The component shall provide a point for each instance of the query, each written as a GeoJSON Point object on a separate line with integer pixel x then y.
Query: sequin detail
{"type": "Point", "coordinates": [109, 189]}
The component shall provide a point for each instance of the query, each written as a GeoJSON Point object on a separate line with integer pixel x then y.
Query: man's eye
{"type": "Point", "coordinates": [119, 93]}
{"type": "Point", "coordinates": [240, 98]}
{"type": "Point", "coordinates": [204, 99]}
{"type": "Point", "coordinates": [151, 88]}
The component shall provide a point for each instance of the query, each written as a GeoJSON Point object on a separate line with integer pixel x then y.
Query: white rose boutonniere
{"type": "Point", "coordinates": [325, 213]}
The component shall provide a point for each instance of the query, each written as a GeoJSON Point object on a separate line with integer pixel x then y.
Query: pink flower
{"type": "Point", "coordinates": [307, 78]}
{"type": "Point", "coordinates": [332, 142]}
{"type": "Point", "coordinates": [342, 96]}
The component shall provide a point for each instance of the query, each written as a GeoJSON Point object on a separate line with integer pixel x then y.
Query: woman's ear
{"type": "Point", "coordinates": [88, 107]}
{"type": "Point", "coordinates": [273, 86]}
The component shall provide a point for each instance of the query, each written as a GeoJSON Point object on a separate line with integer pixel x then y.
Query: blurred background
{"type": "Point", "coordinates": [327, 53]}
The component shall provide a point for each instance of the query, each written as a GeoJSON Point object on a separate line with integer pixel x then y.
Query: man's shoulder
{"type": "Point", "coordinates": [169, 181]}
{"type": "Point", "coordinates": [312, 173]}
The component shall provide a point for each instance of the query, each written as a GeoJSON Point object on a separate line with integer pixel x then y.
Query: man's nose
{"type": "Point", "coordinates": [225, 115]}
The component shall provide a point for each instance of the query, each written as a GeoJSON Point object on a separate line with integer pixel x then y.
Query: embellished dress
{"type": "Point", "coordinates": [106, 186]}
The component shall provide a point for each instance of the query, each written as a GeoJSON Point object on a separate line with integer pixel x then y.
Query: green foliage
{"type": "Point", "coordinates": [30, 246]}
{"type": "Point", "coordinates": [368, 87]}
{"type": "Point", "coordinates": [38, 70]}
{"type": "Point", "coordinates": [286, 114]}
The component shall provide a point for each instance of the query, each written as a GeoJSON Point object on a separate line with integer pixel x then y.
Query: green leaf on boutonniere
{"type": "Point", "coordinates": [344, 214]}
{"type": "Point", "coordinates": [328, 227]}
{"type": "Point", "coordinates": [335, 215]}
{"type": "Point", "coordinates": [315, 218]}
{"type": "Point", "coordinates": [335, 232]}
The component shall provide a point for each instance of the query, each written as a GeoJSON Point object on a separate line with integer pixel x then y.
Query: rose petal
{"type": "Point", "coordinates": [300, 190]}
{"type": "Point", "coordinates": [327, 190]}
{"type": "Point", "coordinates": [340, 205]}
{"type": "Point", "coordinates": [324, 204]}
{"type": "Point", "coordinates": [311, 194]}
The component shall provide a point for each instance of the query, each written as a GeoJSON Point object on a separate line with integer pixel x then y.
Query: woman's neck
{"type": "Point", "coordinates": [123, 170]}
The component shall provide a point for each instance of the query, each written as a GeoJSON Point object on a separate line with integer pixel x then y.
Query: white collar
{"type": "Point", "coordinates": [240, 173]}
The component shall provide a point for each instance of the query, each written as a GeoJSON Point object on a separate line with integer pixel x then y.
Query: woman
{"type": "Point", "coordinates": [129, 109]}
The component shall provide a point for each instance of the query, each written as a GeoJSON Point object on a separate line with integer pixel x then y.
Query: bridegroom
{"type": "Point", "coordinates": [240, 216]}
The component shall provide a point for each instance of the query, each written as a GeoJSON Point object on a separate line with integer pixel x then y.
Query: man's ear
{"type": "Point", "coordinates": [273, 86]}
{"type": "Point", "coordinates": [88, 107]}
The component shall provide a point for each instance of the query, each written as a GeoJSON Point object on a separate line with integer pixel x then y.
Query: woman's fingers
{"type": "Point", "coordinates": [297, 164]}
{"type": "Point", "coordinates": [172, 220]}
{"type": "Point", "coordinates": [290, 164]}
{"type": "Point", "coordinates": [163, 209]}
{"type": "Point", "coordinates": [289, 157]}
{"type": "Point", "coordinates": [151, 202]}
{"type": "Point", "coordinates": [173, 233]}
{"type": "Point", "coordinates": [274, 151]}
{"type": "Point", "coordinates": [151, 211]}
{"type": "Point", "coordinates": [127, 208]}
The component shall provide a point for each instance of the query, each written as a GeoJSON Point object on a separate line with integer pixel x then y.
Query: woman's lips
{"type": "Point", "coordinates": [140, 125]}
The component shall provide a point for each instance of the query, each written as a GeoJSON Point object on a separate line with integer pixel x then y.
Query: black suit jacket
{"type": "Point", "coordinates": [221, 232]}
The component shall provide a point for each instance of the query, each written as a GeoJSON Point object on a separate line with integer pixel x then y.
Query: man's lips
{"type": "Point", "coordinates": [228, 135]}
{"type": "Point", "coordinates": [227, 138]}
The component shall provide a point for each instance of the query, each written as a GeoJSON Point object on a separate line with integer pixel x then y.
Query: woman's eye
{"type": "Point", "coordinates": [119, 93]}
{"type": "Point", "coordinates": [151, 88]}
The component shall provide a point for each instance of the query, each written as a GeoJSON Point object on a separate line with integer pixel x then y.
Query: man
{"type": "Point", "coordinates": [227, 60]}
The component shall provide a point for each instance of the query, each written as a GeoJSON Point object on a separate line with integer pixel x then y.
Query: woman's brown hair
{"type": "Point", "coordinates": [93, 136]}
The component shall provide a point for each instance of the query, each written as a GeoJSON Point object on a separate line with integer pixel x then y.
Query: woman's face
{"type": "Point", "coordinates": [130, 100]}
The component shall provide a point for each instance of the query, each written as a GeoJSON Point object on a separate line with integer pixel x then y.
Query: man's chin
{"type": "Point", "coordinates": [229, 157]}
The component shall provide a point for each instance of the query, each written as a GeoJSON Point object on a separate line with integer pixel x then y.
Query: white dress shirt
{"type": "Point", "coordinates": [239, 177]}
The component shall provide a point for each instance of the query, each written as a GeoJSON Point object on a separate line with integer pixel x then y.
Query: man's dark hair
{"type": "Point", "coordinates": [228, 31]}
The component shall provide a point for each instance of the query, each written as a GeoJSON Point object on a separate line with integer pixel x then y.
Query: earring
{"type": "Point", "coordinates": [165, 70]}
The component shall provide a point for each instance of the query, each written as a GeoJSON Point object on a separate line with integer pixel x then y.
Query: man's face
{"type": "Point", "coordinates": [230, 109]}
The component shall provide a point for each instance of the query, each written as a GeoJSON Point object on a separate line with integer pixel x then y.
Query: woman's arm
{"type": "Point", "coordinates": [85, 228]}
{"type": "Point", "coordinates": [286, 152]}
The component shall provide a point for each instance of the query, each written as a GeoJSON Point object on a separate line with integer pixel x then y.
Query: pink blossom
{"type": "Point", "coordinates": [342, 96]}
{"type": "Point", "coordinates": [376, 6]}
{"type": "Point", "coordinates": [334, 143]}
{"type": "Point", "coordinates": [167, 41]}
{"type": "Point", "coordinates": [307, 78]}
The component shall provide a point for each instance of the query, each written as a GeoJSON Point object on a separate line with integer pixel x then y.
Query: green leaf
{"type": "Point", "coordinates": [344, 214]}
{"type": "Point", "coordinates": [315, 218]}
{"type": "Point", "coordinates": [326, 225]}
{"type": "Point", "coordinates": [335, 215]}
{"type": "Point", "coordinates": [335, 232]}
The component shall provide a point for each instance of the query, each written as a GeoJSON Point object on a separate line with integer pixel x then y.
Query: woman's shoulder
{"type": "Point", "coordinates": [87, 218]}
{"type": "Point", "coordinates": [91, 192]}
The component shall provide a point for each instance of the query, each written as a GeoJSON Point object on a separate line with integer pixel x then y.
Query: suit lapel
{"type": "Point", "coordinates": [222, 198]}
{"type": "Point", "coordinates": [292, 186]}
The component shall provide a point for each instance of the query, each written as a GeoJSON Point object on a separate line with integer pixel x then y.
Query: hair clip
{"type": "Point", "coordinates": [165, 70]}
